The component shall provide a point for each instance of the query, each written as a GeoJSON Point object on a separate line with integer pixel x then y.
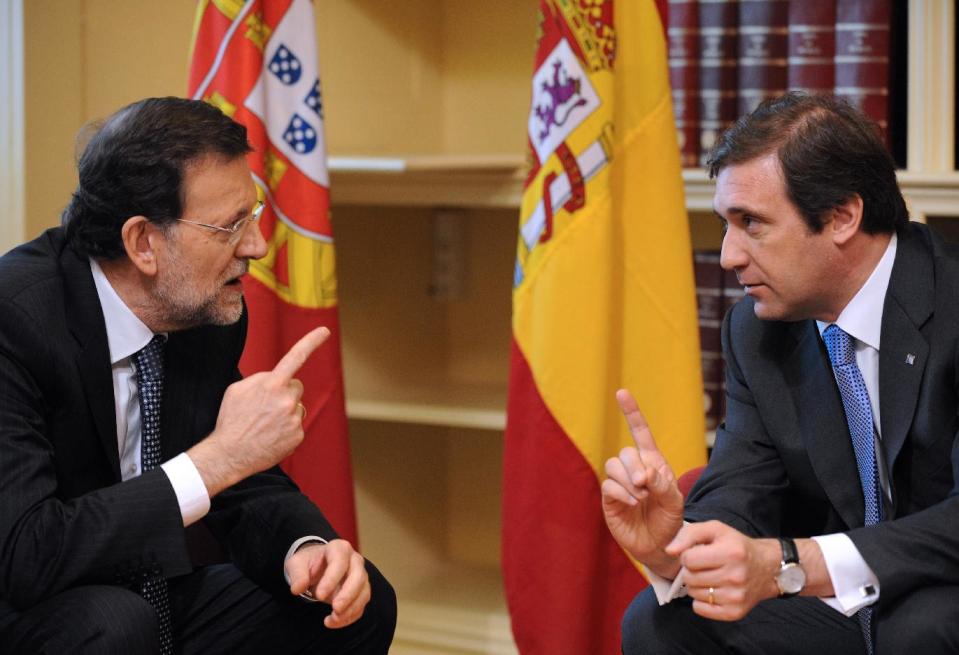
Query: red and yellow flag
{"type": "Point", "coordinates": [603, 298]}
{"type": "Point", "coordinates": [256, 60]}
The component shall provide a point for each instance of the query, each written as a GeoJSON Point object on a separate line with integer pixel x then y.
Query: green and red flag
{"type": "Point", "coordinates": [603, 298]}
{"type": "Point", "coordinates": [256, 60]}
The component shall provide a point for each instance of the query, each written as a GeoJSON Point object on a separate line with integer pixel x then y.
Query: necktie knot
{"type": "Point", "coordinates": [149, 360]}
{"type": "Point", "coordinates": [839, 345]}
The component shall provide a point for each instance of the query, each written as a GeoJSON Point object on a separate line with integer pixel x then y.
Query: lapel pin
{"type": "Point", "coordinates": [910, 359]}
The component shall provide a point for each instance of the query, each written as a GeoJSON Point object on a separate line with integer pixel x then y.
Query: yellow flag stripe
{"type": "Point", "coordinates": [609, 301]}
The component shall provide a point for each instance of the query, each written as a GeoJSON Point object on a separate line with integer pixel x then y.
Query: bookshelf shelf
{"type": "Point", "coordinates": [487, 181]}
{"type": "Point", "coordinates": [496, 181]}
{"type": "Point", "coordinates": [455, 609]}
{"type": "Point", "coordinates": [930, 194]}
{"type": "Point", "coordinates": [480, 407]}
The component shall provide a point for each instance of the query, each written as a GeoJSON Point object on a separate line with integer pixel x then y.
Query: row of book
{"type": "Point", "coordinates": [726, 56]}
{"type": "Point", "coordinates": [716, 291]}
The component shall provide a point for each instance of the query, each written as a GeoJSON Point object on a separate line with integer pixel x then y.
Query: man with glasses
{"type": "Point", "coordinates": [142, 507]}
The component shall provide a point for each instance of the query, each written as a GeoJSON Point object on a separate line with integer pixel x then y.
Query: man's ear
{"type": "Point", "coordinates": [846, 220]}
{"type": "Point", "coordinates": [140, 240]}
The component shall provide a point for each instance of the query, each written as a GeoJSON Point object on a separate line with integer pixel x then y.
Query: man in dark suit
{"type": "Point", "coordinates": [834, 473]}
{"type": "Point", "coordinates": [128, 439]}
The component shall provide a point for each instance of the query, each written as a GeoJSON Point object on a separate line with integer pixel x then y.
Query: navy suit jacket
{"type": "Point", "coordinates": [784, 465]}
{"type": "Point", "coordinates": [66, 518]}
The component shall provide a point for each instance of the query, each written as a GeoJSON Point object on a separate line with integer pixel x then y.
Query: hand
{"type": "Point", "coordinates": [740, 570]}
{"type": "Point", "coordinates": [641, 499]}
{"type": "Point", "coordinates": [333, 573]}
{"type": "Point", "coordinates": [260, 422]}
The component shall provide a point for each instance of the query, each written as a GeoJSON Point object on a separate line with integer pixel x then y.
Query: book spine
{"type": "Point", "coordinates": [812, 46]}
{"type": "Point", "coordinates": [862, 56]}
{"type": "Point", "coordinates": [718, 52]}
{"type": "Point", "coordinates": [763, 46]}
{"type": "Point", "coordinates": [683, 41]}
{"type": "Point", "coordinates": [709, 301]}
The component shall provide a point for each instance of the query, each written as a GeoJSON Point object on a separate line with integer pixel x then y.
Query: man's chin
{"type": "Point", "coordinates": [228, 315]}
{"type": "Point", "coordinates": [766, 312]}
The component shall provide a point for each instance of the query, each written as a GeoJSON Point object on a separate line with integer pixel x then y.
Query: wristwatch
{"type": "Point", "coordinates": [791, 577]}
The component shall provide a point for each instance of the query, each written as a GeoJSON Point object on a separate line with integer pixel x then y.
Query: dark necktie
{"type": "Point", "coordinates": [149, 365]}
{"type": "Point", "coordinates": [855, 400]}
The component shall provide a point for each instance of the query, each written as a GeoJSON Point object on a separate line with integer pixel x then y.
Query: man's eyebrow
{"type": "Point", "coordinates": [238, 215]}
{"type": "Point", "coordinates": [739, 211]}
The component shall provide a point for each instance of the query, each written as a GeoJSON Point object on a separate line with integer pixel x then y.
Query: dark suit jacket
{"type": "Point", "coordinates": [66, 519]}
{"type": "Point", "coordinates": [784, 463]}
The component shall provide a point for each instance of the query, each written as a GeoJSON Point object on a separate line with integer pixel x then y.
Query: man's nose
{"type": "Point", "coordinates": [252, 245]}
{"type": "Point", "coordinates": [732, 256]}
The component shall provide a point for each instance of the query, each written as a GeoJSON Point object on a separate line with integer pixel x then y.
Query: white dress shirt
{"type": "Point", "coordinates": [855, 584]}
{"type": "Point", "coordinates": [127, 335]}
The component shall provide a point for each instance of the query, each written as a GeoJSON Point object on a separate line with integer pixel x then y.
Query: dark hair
{"type": "Point", "coordinates": [135, 165]}
{"type": "Point", "coordinates": [828, 151]}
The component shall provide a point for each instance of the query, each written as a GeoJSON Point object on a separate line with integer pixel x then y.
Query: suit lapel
{"type": "Point", "coordinates": [87, 325]}
{"type": "Point", "coordinates": [903, 351]}
{"type": "Point", "coordinates": [822, 423]}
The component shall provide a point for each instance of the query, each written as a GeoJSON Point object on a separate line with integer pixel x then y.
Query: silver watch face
{"type": "Point", "coordinates": [791, 578]}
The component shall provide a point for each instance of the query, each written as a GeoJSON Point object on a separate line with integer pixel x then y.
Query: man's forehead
{"type": "Point", "coordinates": [740, 187]}
{"type": "Point", "coordinates": [210, 161]}
{"type": "Point", "coordinates": [218, 170]}
{"type": "Point", "coordinates": [218, 183]}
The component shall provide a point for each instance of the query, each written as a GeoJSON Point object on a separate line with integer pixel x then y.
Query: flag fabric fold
{"type": "Point", "coordinates": [603, 298]}
{"type": "Point", "coordinates": [256, 60]}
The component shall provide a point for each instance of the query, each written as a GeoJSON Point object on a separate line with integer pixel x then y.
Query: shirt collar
{"type": "Point", "coordinates": [862, 316]}
{"type": "Point", "coordinates": [126, 334]}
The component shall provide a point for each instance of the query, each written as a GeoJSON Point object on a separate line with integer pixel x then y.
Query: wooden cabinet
{"type": "Point", "coordinates": [426, 124]}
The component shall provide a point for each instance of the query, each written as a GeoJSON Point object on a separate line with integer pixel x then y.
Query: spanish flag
{"type": "Point", "coordinates": [603, 298]}
{"type": "Point", "coordinates": [256, 60]}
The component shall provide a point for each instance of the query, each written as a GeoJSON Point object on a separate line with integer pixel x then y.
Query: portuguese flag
{"type": "Point", "coordinates": [603, 298]}
{"type": "Point", "coordinates": [256, 60]}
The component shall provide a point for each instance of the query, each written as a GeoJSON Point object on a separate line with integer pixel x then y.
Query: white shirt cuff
{"type": "Point", "coordinates": [296, 545]}
{"type": "Point", "coordinates": [667, 590]}
{"type": "Point", "coordinates": [191, 493]}
{"type": "Point", "coordinates": [299, 542]}
{"type": "Point", "coordinates": [853, 582]}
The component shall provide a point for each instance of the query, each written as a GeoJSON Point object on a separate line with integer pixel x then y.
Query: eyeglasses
{"type": "Point", "coordinates": [235, 230]}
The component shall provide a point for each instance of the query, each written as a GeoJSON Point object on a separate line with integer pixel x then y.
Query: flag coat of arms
{"type": "Point", "coordinates": [603, 298]}
{"type": "Point", "coordinates": [256, 60]}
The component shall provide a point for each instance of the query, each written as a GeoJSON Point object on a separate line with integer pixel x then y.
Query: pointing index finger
{"type": "Point", "coordinates": [300, 352]}
{"type": "Point", "coordinates": [638, 426]}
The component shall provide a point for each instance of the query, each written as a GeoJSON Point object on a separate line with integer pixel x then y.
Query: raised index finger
{"type": "Point", "coordinates": [300, 352]}
{"type": "Point", "coordinates": [638, 426]}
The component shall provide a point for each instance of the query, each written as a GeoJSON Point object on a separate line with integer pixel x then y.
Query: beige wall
{"type": "Point", "coordinates": [84, 59]}
{"type": "Point", "coordinates": [411, 77]}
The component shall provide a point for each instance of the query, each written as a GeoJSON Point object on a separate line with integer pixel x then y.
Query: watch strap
{"type": "Point", "coordinates": [790, 552]}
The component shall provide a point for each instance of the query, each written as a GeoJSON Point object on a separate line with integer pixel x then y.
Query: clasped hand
{"type": "Point", "coordinates": [333, 573]}
{"type": "Point", "coordinates": [725, 572]}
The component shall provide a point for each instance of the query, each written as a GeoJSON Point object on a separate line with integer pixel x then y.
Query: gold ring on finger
{"type": "Point", "coordinates": [712, 596]}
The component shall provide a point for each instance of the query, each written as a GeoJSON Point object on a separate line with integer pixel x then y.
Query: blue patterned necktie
{"type": "Point", "coordinates": [855, 400]}
{"type": "Point", "coordinates": [149, 369]}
